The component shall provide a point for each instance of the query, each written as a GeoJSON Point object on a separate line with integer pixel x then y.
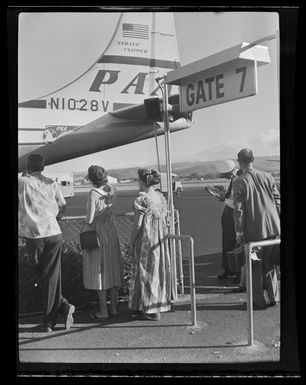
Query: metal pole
{"type": "Point", "coordinates": [169, 188]}
{"type": "Point", "coordinates": [247, 251]}
{"type": "Point", "coordinates": [191, 275]}
{"type": "Point", "coordinates": [180, 261]}
{"type": "Point", "coordinates": [264, 243]}
{"type": "Point", "coordinates": [192, 283]}
{"type": "Point", "coordinates": [156, 144]}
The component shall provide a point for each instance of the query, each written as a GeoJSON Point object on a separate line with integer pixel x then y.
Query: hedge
{"type": "Point", "coordinates": [30, 298]}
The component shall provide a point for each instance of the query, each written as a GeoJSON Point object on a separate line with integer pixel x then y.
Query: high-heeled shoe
{"type": "Point", "coordinates": [113, 313]}
{"type": "Point", "coordinates": [151, 317]}
{"type": "Point", "coordinates": [225, 274]}
{"type": "Point", "coordinates": [97, 318]}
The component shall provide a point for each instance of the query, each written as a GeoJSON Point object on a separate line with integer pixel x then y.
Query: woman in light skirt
{"type": "Point", "coordinates": [102, 266]}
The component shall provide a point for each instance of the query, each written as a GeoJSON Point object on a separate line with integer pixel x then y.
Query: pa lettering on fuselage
{"type": "Point", "coordinates": [104, 77]}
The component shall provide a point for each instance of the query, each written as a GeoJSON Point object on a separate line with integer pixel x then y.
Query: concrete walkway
{"type": "Point", "coordinates": [221, 334]}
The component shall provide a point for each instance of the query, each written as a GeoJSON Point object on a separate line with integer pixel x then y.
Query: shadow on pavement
{"type": "Point", "coordinates": [207, 268]}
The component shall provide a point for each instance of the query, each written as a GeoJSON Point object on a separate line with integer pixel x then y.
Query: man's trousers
{"type": "Point", "coordinates": [45, 255]}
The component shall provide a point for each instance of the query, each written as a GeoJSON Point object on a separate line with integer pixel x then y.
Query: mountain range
{"type": "Point", "coordinates": [269, 164]}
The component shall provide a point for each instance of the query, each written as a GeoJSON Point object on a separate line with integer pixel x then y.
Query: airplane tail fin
{"type": "Point", "coordinates": [143, 48]}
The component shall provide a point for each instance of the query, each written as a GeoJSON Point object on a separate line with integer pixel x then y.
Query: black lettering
{"type": "Point", "coordinates": [100, 79]}
{"type": "Point", "coordinates": [209, 81]}
{"type": "Point", "coordinates": [83, 107]}
{"type": "Point", "coordinates": [200, 92]}
{"type": "Point", "coordinates": [190, 94]}
{"type": "Point", "coordinates": [71, 104]}
{"type": "Point", "coordinates": [54, 103]}
{"type": "Point", "coordinates": [137, 82]}
{"type": "Point", "coordinates": [219, 85]}
{"type": "Point", "coordinates": [94, 105]}
{"type": "Point", "coordinates": [105, 106]}
{"type": "Point", "coordinates": [154, 92]}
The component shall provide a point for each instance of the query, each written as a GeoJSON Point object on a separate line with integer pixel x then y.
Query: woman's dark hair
{"type": "Point", "coordinates": [35, 162]}
{"type": "Point", "coordinates": [97, 175]}
{"type": "Point", "coordinates": [149, 176]}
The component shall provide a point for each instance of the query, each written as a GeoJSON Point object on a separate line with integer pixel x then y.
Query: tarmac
{"type": "Point", "coordinates": [219, 336]}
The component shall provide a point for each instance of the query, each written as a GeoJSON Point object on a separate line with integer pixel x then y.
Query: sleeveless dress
{"type": "Point", "coordinates": [150, 282]}
{"type": "Point", "coordinates": [102, 266]}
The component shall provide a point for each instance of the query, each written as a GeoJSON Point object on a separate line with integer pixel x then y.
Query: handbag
{"type": "Point", "coordinates": [89, 240]}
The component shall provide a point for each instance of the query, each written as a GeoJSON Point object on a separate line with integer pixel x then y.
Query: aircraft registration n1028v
{"type": "Point", "coordinates": [104, 107]}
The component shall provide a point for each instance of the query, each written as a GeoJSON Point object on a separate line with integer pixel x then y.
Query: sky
{"type": "Point", "coordinates": [55, 48]}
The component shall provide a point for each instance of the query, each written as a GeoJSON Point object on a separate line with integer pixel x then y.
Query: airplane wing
{"type": "Point", "coordinates": [113, 129]}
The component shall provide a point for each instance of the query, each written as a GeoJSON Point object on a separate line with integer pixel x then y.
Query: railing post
{"type": "Point", "coordinates": [192, 282]}
{"type": "Point", "coordinates": [248, 247]}
{"type": "Point", "coordinates": [179, 249]}
{"type": "Point", "coordinates": [247, 253]}
{"type": "Point", "coordinates": [191, 274]}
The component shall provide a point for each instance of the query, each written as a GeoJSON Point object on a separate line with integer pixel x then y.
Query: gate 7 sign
{"type": "Point", "coordinates": [229, 81]}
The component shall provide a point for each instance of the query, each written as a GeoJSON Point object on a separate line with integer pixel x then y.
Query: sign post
{"type": "Point", "coordinates": [170, 192]}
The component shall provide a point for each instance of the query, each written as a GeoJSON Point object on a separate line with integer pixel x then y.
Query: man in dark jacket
{"type": "Point", "coordinates": [257, 218]}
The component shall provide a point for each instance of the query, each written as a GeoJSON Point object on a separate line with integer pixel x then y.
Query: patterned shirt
{"type": "Point", "coordinates": [39, 201]}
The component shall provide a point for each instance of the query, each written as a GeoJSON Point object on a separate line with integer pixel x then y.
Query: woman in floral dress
{"type": "Point", "coordinates": [149, 285]}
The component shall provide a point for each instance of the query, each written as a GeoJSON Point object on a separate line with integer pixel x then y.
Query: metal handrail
{"type": "Point", "coordinates": [179, 251]}
{"type": "Point", "coordinates": [179, 238]}
{"type": "Point", "coordinates": [191, 273]}
{"type": "Point", "coordinates": [248, 247]}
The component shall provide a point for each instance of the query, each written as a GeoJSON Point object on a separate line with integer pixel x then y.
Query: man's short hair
{"type": "Point", "coordinates": [35, 162]}
{"type": "Point", "coordinates": [245, 155]}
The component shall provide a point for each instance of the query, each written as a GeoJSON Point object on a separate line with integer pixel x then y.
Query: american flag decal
{"type": "Point", "coordinates": [136, 31]}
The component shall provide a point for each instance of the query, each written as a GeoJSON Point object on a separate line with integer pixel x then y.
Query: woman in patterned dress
{"type": "Point", "coordinates": [149, 285]}
{"type": "Point", "coordinates": [102, 266]}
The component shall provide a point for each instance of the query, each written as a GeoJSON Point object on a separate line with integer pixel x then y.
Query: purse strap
{"type": "Point", "coordinates": [100, 192]}
{"type": "Point", "coordinates": [88, 226]}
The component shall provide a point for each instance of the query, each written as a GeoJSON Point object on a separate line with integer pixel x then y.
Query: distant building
{"type": "Point", "coordinates": [112, 180]}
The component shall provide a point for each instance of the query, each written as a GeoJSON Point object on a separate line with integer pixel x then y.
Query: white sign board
{"type": "Point", "coordinates": [232, 80]}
